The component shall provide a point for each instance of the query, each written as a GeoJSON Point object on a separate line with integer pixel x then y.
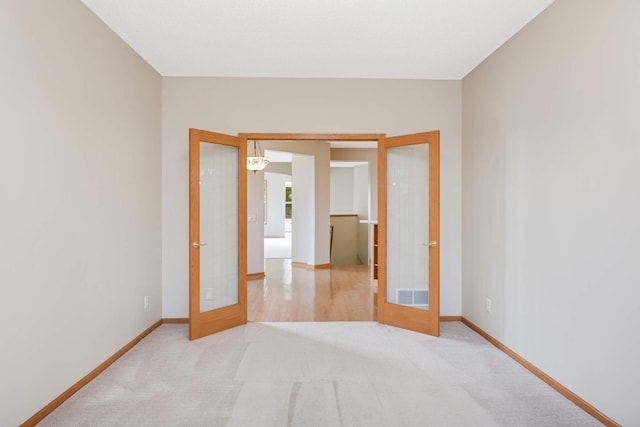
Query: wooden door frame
{"type": "Point", "coordinates": [362, 137]}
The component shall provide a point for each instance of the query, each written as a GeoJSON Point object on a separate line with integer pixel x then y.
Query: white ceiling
{"type": "Point", "coordinates": [286, 157]}
{"type": "Point", "coordinates": [344, 164]}
{"type": "Point", "coordinates": [404, 39]}
{"type": "Point", "coordinates": [353, 144]}
{"type": "Point", "coordinates": [278, 156]}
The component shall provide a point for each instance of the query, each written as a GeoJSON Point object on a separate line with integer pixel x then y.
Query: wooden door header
{"type": "Point", "coordinates": [313, 136]}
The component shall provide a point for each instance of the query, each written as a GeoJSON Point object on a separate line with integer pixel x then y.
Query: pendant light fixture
{"type": "Point", "coordinates": [257, 161]}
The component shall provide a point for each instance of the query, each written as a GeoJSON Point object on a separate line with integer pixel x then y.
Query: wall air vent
{"type": "Point", "coordinates": [413, 297]}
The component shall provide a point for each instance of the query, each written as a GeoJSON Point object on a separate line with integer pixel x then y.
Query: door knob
{"type": "Point", "coordinates": [431, 244]}
{"type": "Point", "coordinates": [198, 244]}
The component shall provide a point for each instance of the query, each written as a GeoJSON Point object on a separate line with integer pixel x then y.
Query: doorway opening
{"type": "Point", "coordinates": [323, 181]}
{"type": "Point", "coordinates": [277, 198]}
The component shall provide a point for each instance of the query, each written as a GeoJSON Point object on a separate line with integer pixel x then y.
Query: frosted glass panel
{"type": "Point", "coordinates": [218, 226]}
{"type": "Point", "coordinates": [408, 225]}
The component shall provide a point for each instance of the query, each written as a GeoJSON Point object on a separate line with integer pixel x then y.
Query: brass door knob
{"type": "Point", "coordinates": [198, 244]}
{"type": "Point", "coordinates": [431, 244]}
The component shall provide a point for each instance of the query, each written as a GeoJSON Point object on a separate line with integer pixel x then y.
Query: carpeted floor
{"type": "Point", "coordinates": [317, 374]}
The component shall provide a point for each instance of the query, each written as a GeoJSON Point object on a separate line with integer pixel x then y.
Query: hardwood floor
{"type": "Point", "coordinates": [295, 294]}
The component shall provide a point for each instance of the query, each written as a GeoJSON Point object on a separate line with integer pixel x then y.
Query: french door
{"type": "Point", "coordinates": [217, 232]}
{"type": "Point", "coordinates": [409, 232]}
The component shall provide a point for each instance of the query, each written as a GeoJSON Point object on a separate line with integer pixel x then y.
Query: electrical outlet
{"type": "Point", "coordinates": [488, 305]}
{"type": "Point", "coordinates": [146, 302]}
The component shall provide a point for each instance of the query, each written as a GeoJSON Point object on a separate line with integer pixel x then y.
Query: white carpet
{"type": "Point", "coordinates": [317, 374]}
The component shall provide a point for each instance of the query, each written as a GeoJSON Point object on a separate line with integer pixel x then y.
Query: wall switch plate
{"type": "Point", "coordinates": [146, 302]}
{"type": "Point", "coordinates": [488, 305]}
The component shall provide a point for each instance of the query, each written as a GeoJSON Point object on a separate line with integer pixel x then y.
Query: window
{"type": "Point", "coordinates": [287, 201]}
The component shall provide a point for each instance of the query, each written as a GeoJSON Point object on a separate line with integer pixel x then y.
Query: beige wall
{"type": "Point", "coordinates": [305, 213]}
{"type": "Point", "coordinates": [80, 188]}
{"type": "Point", "coordinates": [255, 224]}
{"type": "Point", "coordinates": [551, 202]}
{"type": "Point", "coordinates": [276, 188]}
{"type": "Point", "coordinates": [232, 105]}
{"type": "Point", "coordinates": [341, 191]}
{"type": "Point", "coordinates": [344, 248]}
{"type": "Point", "coordinates": [309, 225]}
{"type": "Point", "coordinates": [370, 155]}
{"type": "Point", "coordinates": [367, 184]}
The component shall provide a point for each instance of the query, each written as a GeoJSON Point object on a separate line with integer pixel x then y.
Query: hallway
{"type": "Point", "coordinates": [290, 293]}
